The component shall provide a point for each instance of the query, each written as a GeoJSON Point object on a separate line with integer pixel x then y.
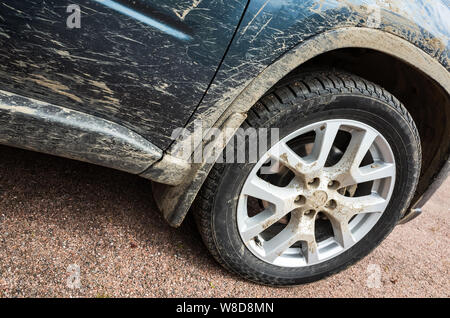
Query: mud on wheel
{"type": "Point", "coordinates": [343, 171]}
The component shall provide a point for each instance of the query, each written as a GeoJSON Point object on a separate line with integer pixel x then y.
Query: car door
{"type": "Point", "coordinates": [142, 63]}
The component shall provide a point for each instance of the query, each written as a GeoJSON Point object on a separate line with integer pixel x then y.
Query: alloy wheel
{"type": "Point", "coordinates": [328, 185]}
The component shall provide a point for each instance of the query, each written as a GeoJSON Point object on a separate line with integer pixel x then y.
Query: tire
{"type": "Point", "coordinates": [300, 102]}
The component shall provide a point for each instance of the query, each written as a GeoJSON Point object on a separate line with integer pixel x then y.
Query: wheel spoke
{"type": "Point", "coordinates": [325, 137]}
{"type": "Point", "coordinates": [349, 207]}
{"type": "Point", "coordinates": [358, 147]}
{"type": "Point", "coordinates": [258, 188]}
{"type": "Point", "coordinates": [310, 251]}
{"type": "Point", "coordinates": [374, 171]}
{"type": "Point", "coordinates": [342, 233]}
{"type": "Point", "coordinates": [287, 157]}
{"type": "Point", "coordinates": [280, 243]}
{"type": "Point", "coordinates": [372, 203]}
{"type": "Point", "coordinates": [258, 223]}
{"type": "Point", "coordinates": [273, 168]}
{"type": "Point", "coordinates": [306, 227]}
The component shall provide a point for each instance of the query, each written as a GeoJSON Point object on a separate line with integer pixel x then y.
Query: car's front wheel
{"type": "Point", "coordinates": [326, 193]}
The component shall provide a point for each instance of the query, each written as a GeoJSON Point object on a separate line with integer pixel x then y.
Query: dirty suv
{"type": "Point", "coordinates": [298, 133]}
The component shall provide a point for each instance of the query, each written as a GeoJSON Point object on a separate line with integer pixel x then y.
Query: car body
{"type": "Point", "coordinates": [112, 89]}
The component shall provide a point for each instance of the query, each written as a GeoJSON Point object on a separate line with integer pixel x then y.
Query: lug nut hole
{"type": "Point", "coordinates": [333, 185]}
{"type": "Point", "coordinates": [331, 204]}
{"type": "Point", "coordinates": [314, 182]}
{"type": "Point", "coordinates": [300, 200]}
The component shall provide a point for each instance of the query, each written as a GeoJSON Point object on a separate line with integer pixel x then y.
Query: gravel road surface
{"type": "Point", "coordinates": [58, 216]}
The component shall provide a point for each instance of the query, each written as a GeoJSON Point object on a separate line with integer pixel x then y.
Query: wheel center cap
{"type": "Point", "coordinates": [319, 198]}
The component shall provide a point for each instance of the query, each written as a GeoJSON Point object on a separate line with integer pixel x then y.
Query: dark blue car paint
{"type": "Point", "coordinates": [271, 28]}
{"type": "Point", "coordinates": [115, 67]}
{"type": "Point", "coordinates": [148, 68]}
{"type": "Point", "coordinates": [38, 126]}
